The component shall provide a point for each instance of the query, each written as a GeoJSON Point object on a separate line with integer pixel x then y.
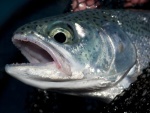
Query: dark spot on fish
{"type": "Point", "coordinates": [28, 27]}
{"type": "Point", "coordinates": [89, 50]}
{"type": "Point", "coordinates": [64, 18]}
{"type": "Point", "coordinates": [94, 20]}
{"type": "Point", "coordinates": [76, 17]}
{"type": "Point", "coordinates": [32, 32]}
{"type": "Point", "coordinates": [80, 19]}
{"type": "Point", "coordinates": [94, 57]}
{"type": "Point", "coordinates": [69, 26]}
{"type": "Point", "coordinates": [96, 23]}
{"type": "Point", "coordinates": [34, 22]}
{"type": "Point", "coordinates": [39, 33]}
{"type": "Point", "coordinates": [22, 28]}
{"type": "Point", "coordinates": [104, 16]}
{"type": "Point", "coordinates": [87, 18]}
{"type": "Point", "coordinates": [113, 20]}
{"type": "Point", "coordinates": [46, 21]}
{"type": "Point", "coordinates": [21, 32]}
{"type": "Point", "coordinates": [69, 19]}
{"type": "Point", "coordinates": [40, 25]}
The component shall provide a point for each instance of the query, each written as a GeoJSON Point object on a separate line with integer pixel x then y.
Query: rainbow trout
{"type": "Point", "coordinates": [92, 52]}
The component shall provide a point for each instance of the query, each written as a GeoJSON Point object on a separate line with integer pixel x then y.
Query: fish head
{"type": "Point", "coordinates": [71, 54]}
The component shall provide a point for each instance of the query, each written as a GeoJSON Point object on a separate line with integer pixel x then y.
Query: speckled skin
{"type": "Point", "coordinates": [135, 23]}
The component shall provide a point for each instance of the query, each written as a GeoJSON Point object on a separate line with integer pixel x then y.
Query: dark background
{"type": "Point", "coordinates": [16, 97]}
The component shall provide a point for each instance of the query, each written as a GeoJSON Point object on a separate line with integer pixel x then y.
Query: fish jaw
{"type": "Point", "coordinates": [45, 62]}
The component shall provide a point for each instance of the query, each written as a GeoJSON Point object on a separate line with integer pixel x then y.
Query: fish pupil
{"type": "Point", "coordinates": [60, 37]}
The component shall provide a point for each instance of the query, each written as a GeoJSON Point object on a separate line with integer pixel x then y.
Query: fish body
{"type": "Point", "coordinates": [92, 52]}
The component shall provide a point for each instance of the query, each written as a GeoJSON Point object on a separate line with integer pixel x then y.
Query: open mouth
{"type": "Point", "coordinates": [34, 50]}
{"type": "Point", "coordinates": [46, 61]}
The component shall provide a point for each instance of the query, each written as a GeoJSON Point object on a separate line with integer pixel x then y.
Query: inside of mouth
{"type": "Point", "coordinates": [33, 52]}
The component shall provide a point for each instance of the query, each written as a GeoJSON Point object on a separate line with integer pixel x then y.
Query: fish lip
{"type": "Point", "coordinates": [36, 40]}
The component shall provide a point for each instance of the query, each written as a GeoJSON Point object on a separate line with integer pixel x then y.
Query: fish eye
{"type": "Point", "coordinates": [61, 35]}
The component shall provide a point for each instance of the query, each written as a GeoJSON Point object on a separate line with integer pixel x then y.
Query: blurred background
{"type": "Point", "coordinates": [16, 97]}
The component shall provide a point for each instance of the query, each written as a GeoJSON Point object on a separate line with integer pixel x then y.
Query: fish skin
{"type": "Point", "coordinates": [132, 24]}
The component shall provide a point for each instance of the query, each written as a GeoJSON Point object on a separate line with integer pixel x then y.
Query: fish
{"type": "Point", "coordinates": [95, 53]}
